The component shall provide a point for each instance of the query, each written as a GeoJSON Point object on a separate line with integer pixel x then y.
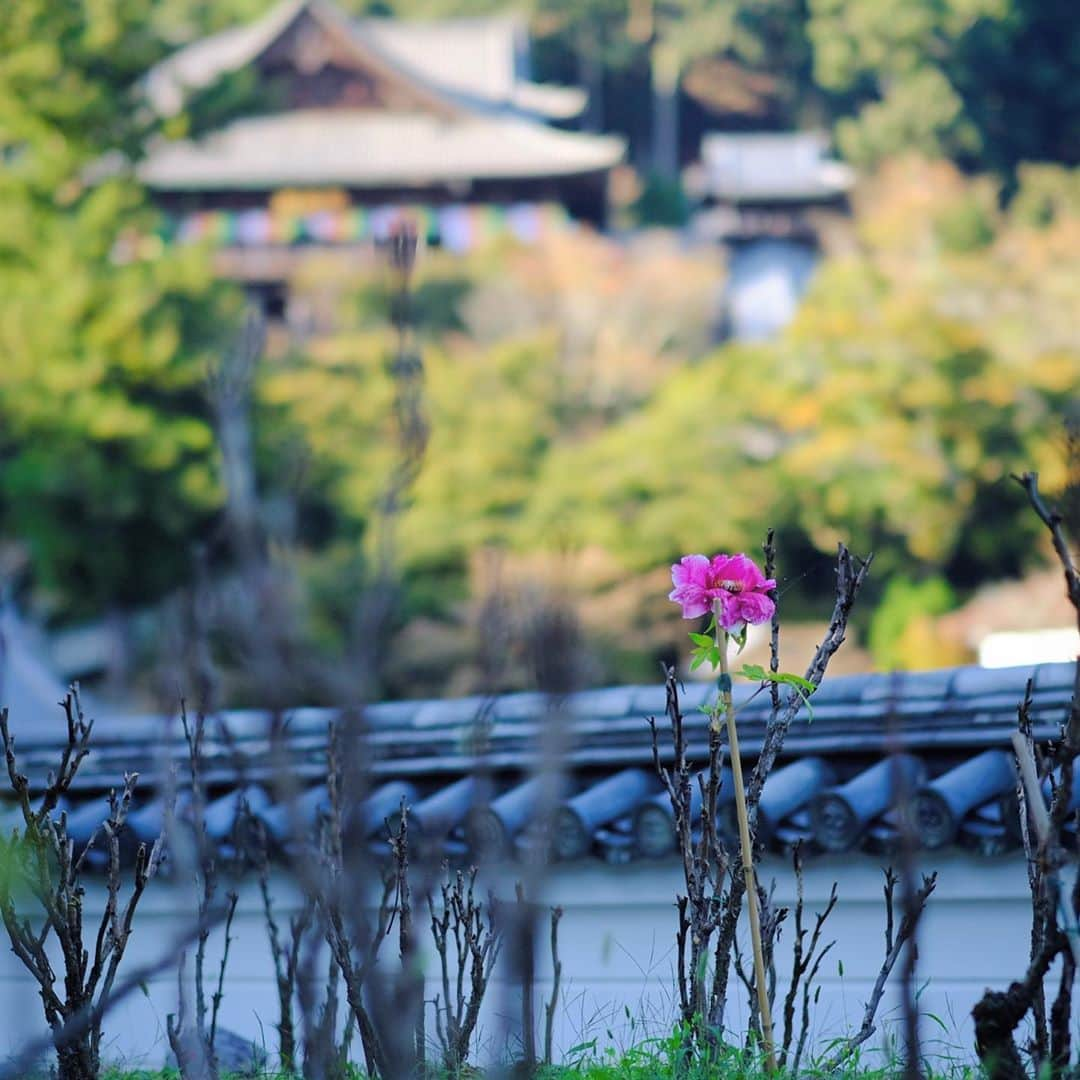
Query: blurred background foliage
{"type": "Point", "coordinates": [585, 429]}
{"type": "Point", "coordinates": [107, 461]}
{"type": "Point", "coordinates": [585, 432]}
{"type": "Point", "coordinates": [986, 83]}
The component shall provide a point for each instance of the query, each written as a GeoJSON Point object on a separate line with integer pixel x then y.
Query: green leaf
{"type": "Point", "coordinates": [754, 672]}
{"type": "Point", "coordinates": [803, 687]}
{"type": "Point", "coordinates": [703, 640]}
{"type": "Point", "coordinates": [937, 1020]}
{"type": "Point", "coordinates": [705, 654]}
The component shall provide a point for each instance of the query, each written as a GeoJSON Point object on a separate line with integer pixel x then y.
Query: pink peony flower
{"type": "Point", "coordinates": [731, 583]}
{"type": "Point", "coordinates": [690, 576]}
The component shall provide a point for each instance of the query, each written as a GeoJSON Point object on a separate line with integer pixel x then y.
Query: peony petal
{"type": "Point", "coordinates": [718, 568]}
{"type": "Point", "coordinates": [729, 616]}
{"type": "Point", "coordinates": [690, 576]}
{"type": "Point", "coordinates": [694, 605]}
{"type": "Point", "coordinates": [744, 570]}
{"type": "Point", "coordinates": [699, 582]}
{"type": "Point", "coordinates": [691, 569]}
{"type": "Point", "coordinates": [754, 607]}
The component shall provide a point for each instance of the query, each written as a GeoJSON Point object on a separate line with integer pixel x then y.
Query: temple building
{"type": "Point", "coordinates": [356, 121]}
{"type": "Point", "coordinates": [767, 197]}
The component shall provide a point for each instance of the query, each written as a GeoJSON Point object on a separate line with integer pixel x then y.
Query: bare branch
{"type": "Point", "coordinates": [1054, 523]}
{"type": "Point", "coordinates": [908, 925]}
{"type": "Point", "coordinates": [850, 576]}
{"type": "Point", "coordinates": [39, 860]}
{"type": "Point", "coordinates": [556, 977]}
{"type": "Point", "coordinates": [805, 959]}
{"type": "Point", "coordinates": [219, 992]}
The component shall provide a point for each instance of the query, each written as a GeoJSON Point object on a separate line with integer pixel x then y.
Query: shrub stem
{"type": "Point", "coordinates": [728, 708]}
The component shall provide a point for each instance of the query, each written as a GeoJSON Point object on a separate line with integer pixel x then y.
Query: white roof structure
{"type": "Point", "coordinates": [200, 64]}
{"type": "Point", "coordinates": [360, 148]}
{"type": "Point", "coordinates": [782, 167]}
{"type": "Point", "coordinates": [484, 60]}
{"type": "Point", "coordinates": [472, 112]}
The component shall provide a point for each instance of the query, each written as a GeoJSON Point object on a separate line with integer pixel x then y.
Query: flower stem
{"type": "Point", "coordinates": [728, 708]}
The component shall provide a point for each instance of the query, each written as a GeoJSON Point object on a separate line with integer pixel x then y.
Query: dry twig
{"type": "Point", "coordinates": [894, 945]}
{"type": "Point", "coordinates": [806, 961]}
{"type": "Point", "coordinates": [192, 1037]}
{"type": "Point", "coordinates": [1055, 909]}
{"type": "Point", "coordinates": [39, 859]}
{"type": "Point", "coordinates": [556, 978]}
{"type": "Point", "coordinates": [476, 940]}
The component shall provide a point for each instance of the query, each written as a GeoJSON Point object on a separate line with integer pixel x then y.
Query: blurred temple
{"type": "Point", "coordinates": [353, 122]}
{"type": "Point", "coordinates": [770, 184]}
{"type": "Point", "coordinates": [767, 197]}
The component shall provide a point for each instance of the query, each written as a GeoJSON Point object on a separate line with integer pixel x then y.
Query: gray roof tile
{"type": "Point", "coordinates": [449, 713]}
{"type": "Point", "coordinates": [614, 701]}
{"type": "Point", "coordinates": [954, 723]}
{"type": "Point", "coordinates": [905, 686]}
{"type": "Point", "coordinates": [525, 706]}
{"type": "Point", "coordinates": [976, 682]}
{"type": "Point", "coordinates": [1055, 676]}
{"type": "Point", "coordinates": [648, 700]}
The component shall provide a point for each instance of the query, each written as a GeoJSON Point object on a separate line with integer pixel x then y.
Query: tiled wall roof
{"type": "Point", "coordinates": [466, 765]}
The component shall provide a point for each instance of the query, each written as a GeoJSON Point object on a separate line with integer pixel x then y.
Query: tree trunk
{"type": "Point", "coordinates": [591, 76]}
{"type": "Point", "coordinates": [77, 1060]}
{"type": "Point", "coordinates": [664, 64]}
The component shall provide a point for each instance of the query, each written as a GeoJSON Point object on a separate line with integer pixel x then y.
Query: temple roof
{"type": "Point", "coordinates": [480, 59]}
{"type": "Point", "coordinates": [481, 62]}
{"type": "Point", "coordinates": [365, 148]}
{"type": "Point", "coordinates": [772, 167]}
{"type": "Point", "coordinates": [422, 104]}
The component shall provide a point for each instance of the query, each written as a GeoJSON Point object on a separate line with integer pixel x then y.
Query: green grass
{"type": "Point", "coordinates": [661, 1059]}
{"type": "Point", "coordinates": [664, 1059]}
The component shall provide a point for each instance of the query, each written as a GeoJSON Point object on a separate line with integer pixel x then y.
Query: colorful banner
{"type": "Point", "coordinates": [459, 227]}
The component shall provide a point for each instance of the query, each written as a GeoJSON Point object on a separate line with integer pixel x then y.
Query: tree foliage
{"type": "Point", "coordinates": [912, 381]}
{"type": "Point", "coordinates": [577, 402]}
{"type": "Point", "coordinates": [574, 418]}
{"type": "Point", "coordinates": [106, 458]}
{"type": "Point", "coordinates": [987, 83]}
{"type": "Point", "coordinates": [984, 82]}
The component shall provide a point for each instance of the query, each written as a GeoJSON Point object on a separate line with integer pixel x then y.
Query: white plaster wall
{"type": "Point", "coordinates": [617, 951]}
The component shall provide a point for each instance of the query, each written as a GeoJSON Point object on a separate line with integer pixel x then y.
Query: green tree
{"type": "Point", "coordinates": [913, 381]}
{"type": "Point", "coordinates": [633, 55]}
{"type": "Point", "coordinates": [581, 425]}
{"type": "Point", "coordinates": [767, 36]}
{"type": "Point", "coordinates": [107, 464]}
{"type": "Point", "coordinates": [903, 621]}
{"type": "Point", "coordinates": [1016, 76]}
{"type": "Point", "coordinates": [988, 83]}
